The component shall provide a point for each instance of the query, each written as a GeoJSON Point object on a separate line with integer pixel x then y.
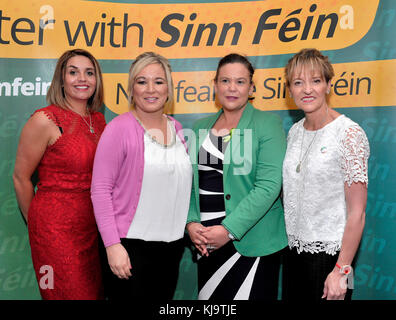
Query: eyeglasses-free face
{"type": "Point", "coordinates": [233, 86]}
{"type": "Point", "coordinates": [308, 88]}
{"type": "Point", "coordinates": [79, 81]}
{"type": "Point", "coordinates": [150, 89]}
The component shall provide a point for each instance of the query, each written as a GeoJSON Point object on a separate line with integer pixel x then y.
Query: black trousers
{"type": "Point", "coordinates": [155, 270]}
{"type": "Point", "coordinates": [304, 275]}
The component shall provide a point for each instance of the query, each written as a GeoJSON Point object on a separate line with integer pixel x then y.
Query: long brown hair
{"type": "Point", "coordinates": [55, 94]}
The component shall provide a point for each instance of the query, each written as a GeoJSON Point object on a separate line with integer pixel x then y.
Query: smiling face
{"type": "Point", "coordinates": [79, 81]}
{"type": "Point", "coordinates": [308, 88]}
{"type": "Point", "coordinates": [150, 89]}
{"type": "Point", "coordinates": [233, 86]}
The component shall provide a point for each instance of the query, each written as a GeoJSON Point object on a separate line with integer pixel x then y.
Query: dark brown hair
{"type": "Point", "coordinates": [235, 58]}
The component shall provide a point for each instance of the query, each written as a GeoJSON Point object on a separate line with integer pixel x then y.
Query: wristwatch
{"type": "Point", "coordinates": [231, 236]}
{"type": "Point", "coordinates": [345, 269]}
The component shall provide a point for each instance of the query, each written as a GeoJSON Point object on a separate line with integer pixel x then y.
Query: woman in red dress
{"type": "Point", "coordinates": [59, 141]}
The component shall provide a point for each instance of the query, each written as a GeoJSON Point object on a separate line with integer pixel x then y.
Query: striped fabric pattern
{"type": "Point", "coordinates": [225, 274]}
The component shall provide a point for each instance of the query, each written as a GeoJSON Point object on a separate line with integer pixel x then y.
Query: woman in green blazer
{"type": "Point", "coordinates": [236, 217]}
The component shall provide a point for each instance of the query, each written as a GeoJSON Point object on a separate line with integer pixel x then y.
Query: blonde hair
{"type": "Point", "coordinates": [56, 95]}
{"type": "Point", "coordinates": [139, 64]}
{"type": "Point", "coordinates": [312, 58]}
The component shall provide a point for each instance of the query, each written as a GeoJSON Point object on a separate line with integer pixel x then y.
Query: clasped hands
{"type": "Point", "coordinates": [207, 239]}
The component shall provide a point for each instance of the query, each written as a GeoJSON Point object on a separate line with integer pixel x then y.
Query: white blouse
{"type": "Point", "coordinates": [314, 198]}
{"type": "Point", "coordinates": [162, 210]}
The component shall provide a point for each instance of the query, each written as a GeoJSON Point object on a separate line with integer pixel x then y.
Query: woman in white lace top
{"type": "Point", "coordinates": [324, 185]}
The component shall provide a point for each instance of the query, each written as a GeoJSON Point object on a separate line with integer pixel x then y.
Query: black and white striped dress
{"type": "Point", "coordinates": [225, 274]}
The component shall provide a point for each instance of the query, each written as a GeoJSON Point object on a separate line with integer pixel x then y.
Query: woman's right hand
{"type": "Point", "coordinates": [119, 261]}
{"type": "Point", "coordinates": [195, 231]}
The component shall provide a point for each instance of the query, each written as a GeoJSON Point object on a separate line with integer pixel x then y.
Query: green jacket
{"type": "Point", "coordinates": [252, 179]}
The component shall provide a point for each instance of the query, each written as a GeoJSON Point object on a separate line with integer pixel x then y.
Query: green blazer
{"type": "Point", "coordinates": [252, 179]}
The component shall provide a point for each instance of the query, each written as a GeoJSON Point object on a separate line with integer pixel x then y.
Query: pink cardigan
{"type": "Point", "coordinates": [118, 174]}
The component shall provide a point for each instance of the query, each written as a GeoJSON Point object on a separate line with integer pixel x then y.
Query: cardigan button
{"type": "Point", "coordinates": [228, 196]}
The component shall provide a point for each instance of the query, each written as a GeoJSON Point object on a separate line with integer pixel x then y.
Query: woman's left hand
{"type": "Point", "coordinates": [335, 286]}
{"type": "Point", "coordinates": [217, 236]}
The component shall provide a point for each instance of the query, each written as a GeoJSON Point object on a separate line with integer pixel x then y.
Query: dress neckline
{"type": "Point", "coordinates": [323, 128]}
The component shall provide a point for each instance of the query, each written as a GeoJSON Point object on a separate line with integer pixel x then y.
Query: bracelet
{"type": "Point", "coordinates": [347, 269]}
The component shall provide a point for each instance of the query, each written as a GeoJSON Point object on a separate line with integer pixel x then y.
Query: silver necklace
{"type": "Point", "coordinates": [168, 124]}
{"type": "Point", "coordinates": [301, 160]}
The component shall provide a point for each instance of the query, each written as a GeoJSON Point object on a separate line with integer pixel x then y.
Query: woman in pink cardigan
{"type": "Point", "coordinates": [141, 187]}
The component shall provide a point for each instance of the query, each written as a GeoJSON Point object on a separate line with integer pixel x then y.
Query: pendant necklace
{"type": "Point", "coordinates": [90, 126]}
{"type": "Point", "coordinates": [91, 129]}
{"type": "Point", "coordinates": [301, 160]}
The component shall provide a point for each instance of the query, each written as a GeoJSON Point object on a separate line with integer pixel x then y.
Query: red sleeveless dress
{"type": "Point", "coordinates": [62, 229]}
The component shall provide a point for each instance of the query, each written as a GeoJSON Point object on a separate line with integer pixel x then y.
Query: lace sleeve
{"type": "Point", "coordinates": [49, 114]}
{"type": "Point", "coordinates": [355, 154]}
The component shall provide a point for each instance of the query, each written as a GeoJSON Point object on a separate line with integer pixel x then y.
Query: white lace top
{"type": "Point", "coordinates": [314, 198]}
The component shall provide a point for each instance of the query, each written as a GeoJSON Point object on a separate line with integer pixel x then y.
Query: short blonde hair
{"type": "Point", "coordinates": [56, 95]}
{"type": "Point", "coordinates": [139, 64]}
{"type": "Point", "coordinates": [309, 57]}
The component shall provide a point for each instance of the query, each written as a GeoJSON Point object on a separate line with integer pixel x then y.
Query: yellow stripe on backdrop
{"type": "Point", "coordinates": [358, 84]}
{"type": "Point", "coordinates": [46, 28]}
